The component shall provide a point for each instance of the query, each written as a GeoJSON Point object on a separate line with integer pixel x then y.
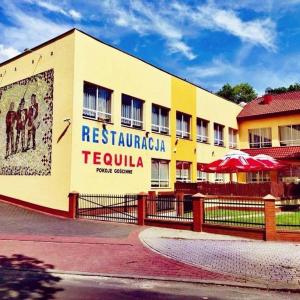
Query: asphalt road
{"type": "Point", "coordinates": [17, 220]}
{"type": "Point", "coordinates": [39, 285]}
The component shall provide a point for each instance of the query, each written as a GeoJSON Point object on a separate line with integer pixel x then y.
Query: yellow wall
{"type": "Point", "coordinates": [215, 110]}
{"type": "Point", "coordinates": [110, 68]}
{"type": "Point", "coordinates": [272, 122]}
{"type": "Point", "coordinates": [183, 100]}
{"type": "Point", "coordinates": [50, 191]}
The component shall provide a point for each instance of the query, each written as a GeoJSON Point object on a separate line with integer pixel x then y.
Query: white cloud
{"type": "Point", "coordinates": [27, 30]}
{"type": "Point", "coordinates": [7, 52]}
{"type": "Point", "coordinates": [75, 14]}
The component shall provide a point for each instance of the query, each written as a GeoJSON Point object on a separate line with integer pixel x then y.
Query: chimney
{"type": "Point", "coordinates": [267, 98]}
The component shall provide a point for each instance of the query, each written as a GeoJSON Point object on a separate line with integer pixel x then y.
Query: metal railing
{"type": "Point", "coordinates": [234, 212]}
{"type": "Point", "coordinates": [167, 207]}
{"type": "Point", "coordinates": [288, 216]}
{"type": "Point", "coordinates": [115, 208]}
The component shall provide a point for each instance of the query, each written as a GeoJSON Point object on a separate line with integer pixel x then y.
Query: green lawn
{"type": "Point", "coordinates": [288, 220]}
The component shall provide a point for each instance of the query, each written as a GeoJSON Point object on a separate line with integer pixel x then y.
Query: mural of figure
{"type": "Point", "coordinates": [20, 126]}
{"type": "Point", "coordinates": [10, 121]}
{"type": "Point", "coordinates": [32, 122]}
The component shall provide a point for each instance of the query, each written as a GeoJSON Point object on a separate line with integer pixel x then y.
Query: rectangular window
{"type": "Point", "coordinates": [232, 138]}
{"type": "Point", "coordinates": [218, 134]}
{"type": "Point", "coordinates": [183, 125]}
{"type": "Point", "coordinates": [202, 176]}
{"type": "Point", "coordinates": [160, 119]}
{"type": "Point", "coordinates": [96, 102]}
{"type": "Point", "coordinates": [261, 176]}
{"type": "Point", "coordinates": [202, 131]}
{"type": "Point", "coordinates": [132, 112]}
{"type": "Point", "coordinates": [159, 173]}
{"type": "Point", "coordinates": [183, 171]}
{"type": "Point", "coordinates": [219, 178]}
{"type": "Point", "coordinates": [289, 135]}
{"type": "Point", "coordinates": [260, 138]}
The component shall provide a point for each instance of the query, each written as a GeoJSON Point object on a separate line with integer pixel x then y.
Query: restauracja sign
{"type": "Point", "coordinates": [119, 139]}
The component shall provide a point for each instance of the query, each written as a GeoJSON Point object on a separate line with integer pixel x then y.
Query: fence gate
{"type": "Point", "coordinates": [113, 208]}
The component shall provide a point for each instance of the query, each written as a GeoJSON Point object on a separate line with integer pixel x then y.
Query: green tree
{"type": "Point", "coordinates": [226, 92]}
{"type": "Point", "coordinates": [242, 92]}
{"type": "Point", "coordinates": [282, 89]}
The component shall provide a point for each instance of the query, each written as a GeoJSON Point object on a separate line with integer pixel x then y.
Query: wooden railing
{"type": "Point", "coordinates": [237, 189]}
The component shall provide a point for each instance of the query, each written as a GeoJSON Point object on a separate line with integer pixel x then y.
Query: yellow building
{"type": "Point", "coordinates": [80, 115]}
{"type": "Point", "coordinates": [271, 125]}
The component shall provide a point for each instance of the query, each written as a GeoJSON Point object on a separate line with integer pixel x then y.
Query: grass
{"type": "Point", "coordinates": [288, 220]}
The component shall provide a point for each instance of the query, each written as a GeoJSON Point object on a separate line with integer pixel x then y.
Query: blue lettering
{"type": "Point", "coordinates": [85, 133]}
{"type": "Point", "coordinates": [121, 139]}
{"type": "Point", "coordinates": [129, 140]}
{"type": "Point", "coordinates": [150, 143]}
{"type": "Point", "coordinates": [157, 145]}
{"type": "Point", "coordinates": [113, 133]}
{"type": "Point", "coordinates": [104, 136]}
{"type": "Point", "coordinates": [144, 144]}
{"type": "Point", "coordinates": [95, 135]}
{"type": "Point", "coordinates": [162, 147]}
{"type": "Point", "coordinates": [136, 141]}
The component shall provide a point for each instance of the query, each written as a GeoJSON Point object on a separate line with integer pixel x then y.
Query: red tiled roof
{"type": "Point", "coordinates": [280, 104]}
{"type": "Point", "coordinates": [288, 152]}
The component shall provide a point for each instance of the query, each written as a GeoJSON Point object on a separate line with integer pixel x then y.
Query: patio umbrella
{"type": "Point", "coordinates": [233, 162]}
{"type": "Point", "coordinates": [270, 162]}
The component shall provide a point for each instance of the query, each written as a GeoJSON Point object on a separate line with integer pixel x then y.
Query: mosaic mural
{"type": "Point", "coordinates": [26, 111]}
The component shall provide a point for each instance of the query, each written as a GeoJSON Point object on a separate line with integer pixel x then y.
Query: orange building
{"type": "Point", "coordinates": [271, 125]}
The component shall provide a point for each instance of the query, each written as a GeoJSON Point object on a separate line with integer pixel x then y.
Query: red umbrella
{"type": "Point", "coordinates": [235, 161]}
{"type": "Point", "coordinates": [270, 162]}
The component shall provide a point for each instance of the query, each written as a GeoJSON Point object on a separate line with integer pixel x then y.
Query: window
{"type": "Point", "coordinates": [202, 176]}
{"type": "Point", "coordinates": [183, 125]}
{"type": "Point", "coordinates": [260, 138]}
{"type": "Point", "coordinates": [132, 112]}
{"type": "Point", "coordinates": [261, 176]}
{"type": "Point", "coordinates": [160, 119]}
{"type": "Point", "coordinates": [202, 131]}
{"type": "Point", "coordinates": [96, 102]}
{"type": "Point", "coordinates": [232, 138]}
{"type": "Point", "coordinates": [183, 171]}
{"type": "Point", "coordinates": [219, 178]}
{"type": "Point", "coordinates": [218, 134]}
{"type": "Point", "coordinates": [289, 135]}
{"type": "Point", "coordinates": [159, 173]}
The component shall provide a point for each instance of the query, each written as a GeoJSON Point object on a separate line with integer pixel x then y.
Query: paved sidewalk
{"type": "Point", "coordinates": [272, 264]}
{"type": "Point", "coordinates": [85, 246]}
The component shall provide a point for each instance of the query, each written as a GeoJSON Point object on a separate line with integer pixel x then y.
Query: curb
{"type": "Point", "coordinates": [166, 279]}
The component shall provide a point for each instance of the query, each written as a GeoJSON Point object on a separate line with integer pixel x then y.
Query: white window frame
{"type": "Point", "coordinates": [202, 176]}
{"type": "Point", "coordinates": [260, 176]}
{"type": "Point", "coordinates": [219, 140]}
{"type": "Point", "coordinates": [291, 142]}
{"type": "Point", "coordinates": [103, 116]}
{"type": "Point", "coordinates": [261, 144]}
{"type": "Point", "coordinates": [131, 122]}
{"type": "Point", "coordinates": [160, 128]}
{"type": "Point", "coordinates": [183, 178]}
{"type": "Point", "coordinates": [232, 133]}
{"type": "Point", "coordinates": [160, 183]}
{"type": "Point", "coordinates": [201, 137]}
{"type": "Point", "coordinates": [219, 177]}
{"type": "Point", "coordinates": [181, 133]}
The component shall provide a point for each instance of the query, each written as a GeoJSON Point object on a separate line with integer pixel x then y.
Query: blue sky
{"type": "Point", "coordinates": [208, 42]}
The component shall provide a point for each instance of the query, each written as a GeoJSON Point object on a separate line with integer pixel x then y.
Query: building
{"type": "Point", "coordinates": [271, 125]}
{"type": "Point", "coordinates": [81, 115]}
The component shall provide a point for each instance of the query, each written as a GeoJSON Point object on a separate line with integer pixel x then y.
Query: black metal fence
{"type": "Point", "coordinates": [167, 207]}
{"type": "Point", "coordinates": [115, 208]}
{"type": "Point", "coordinates": [288, 216]}
{"type": "Point", "coordinates": [234, 212]}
